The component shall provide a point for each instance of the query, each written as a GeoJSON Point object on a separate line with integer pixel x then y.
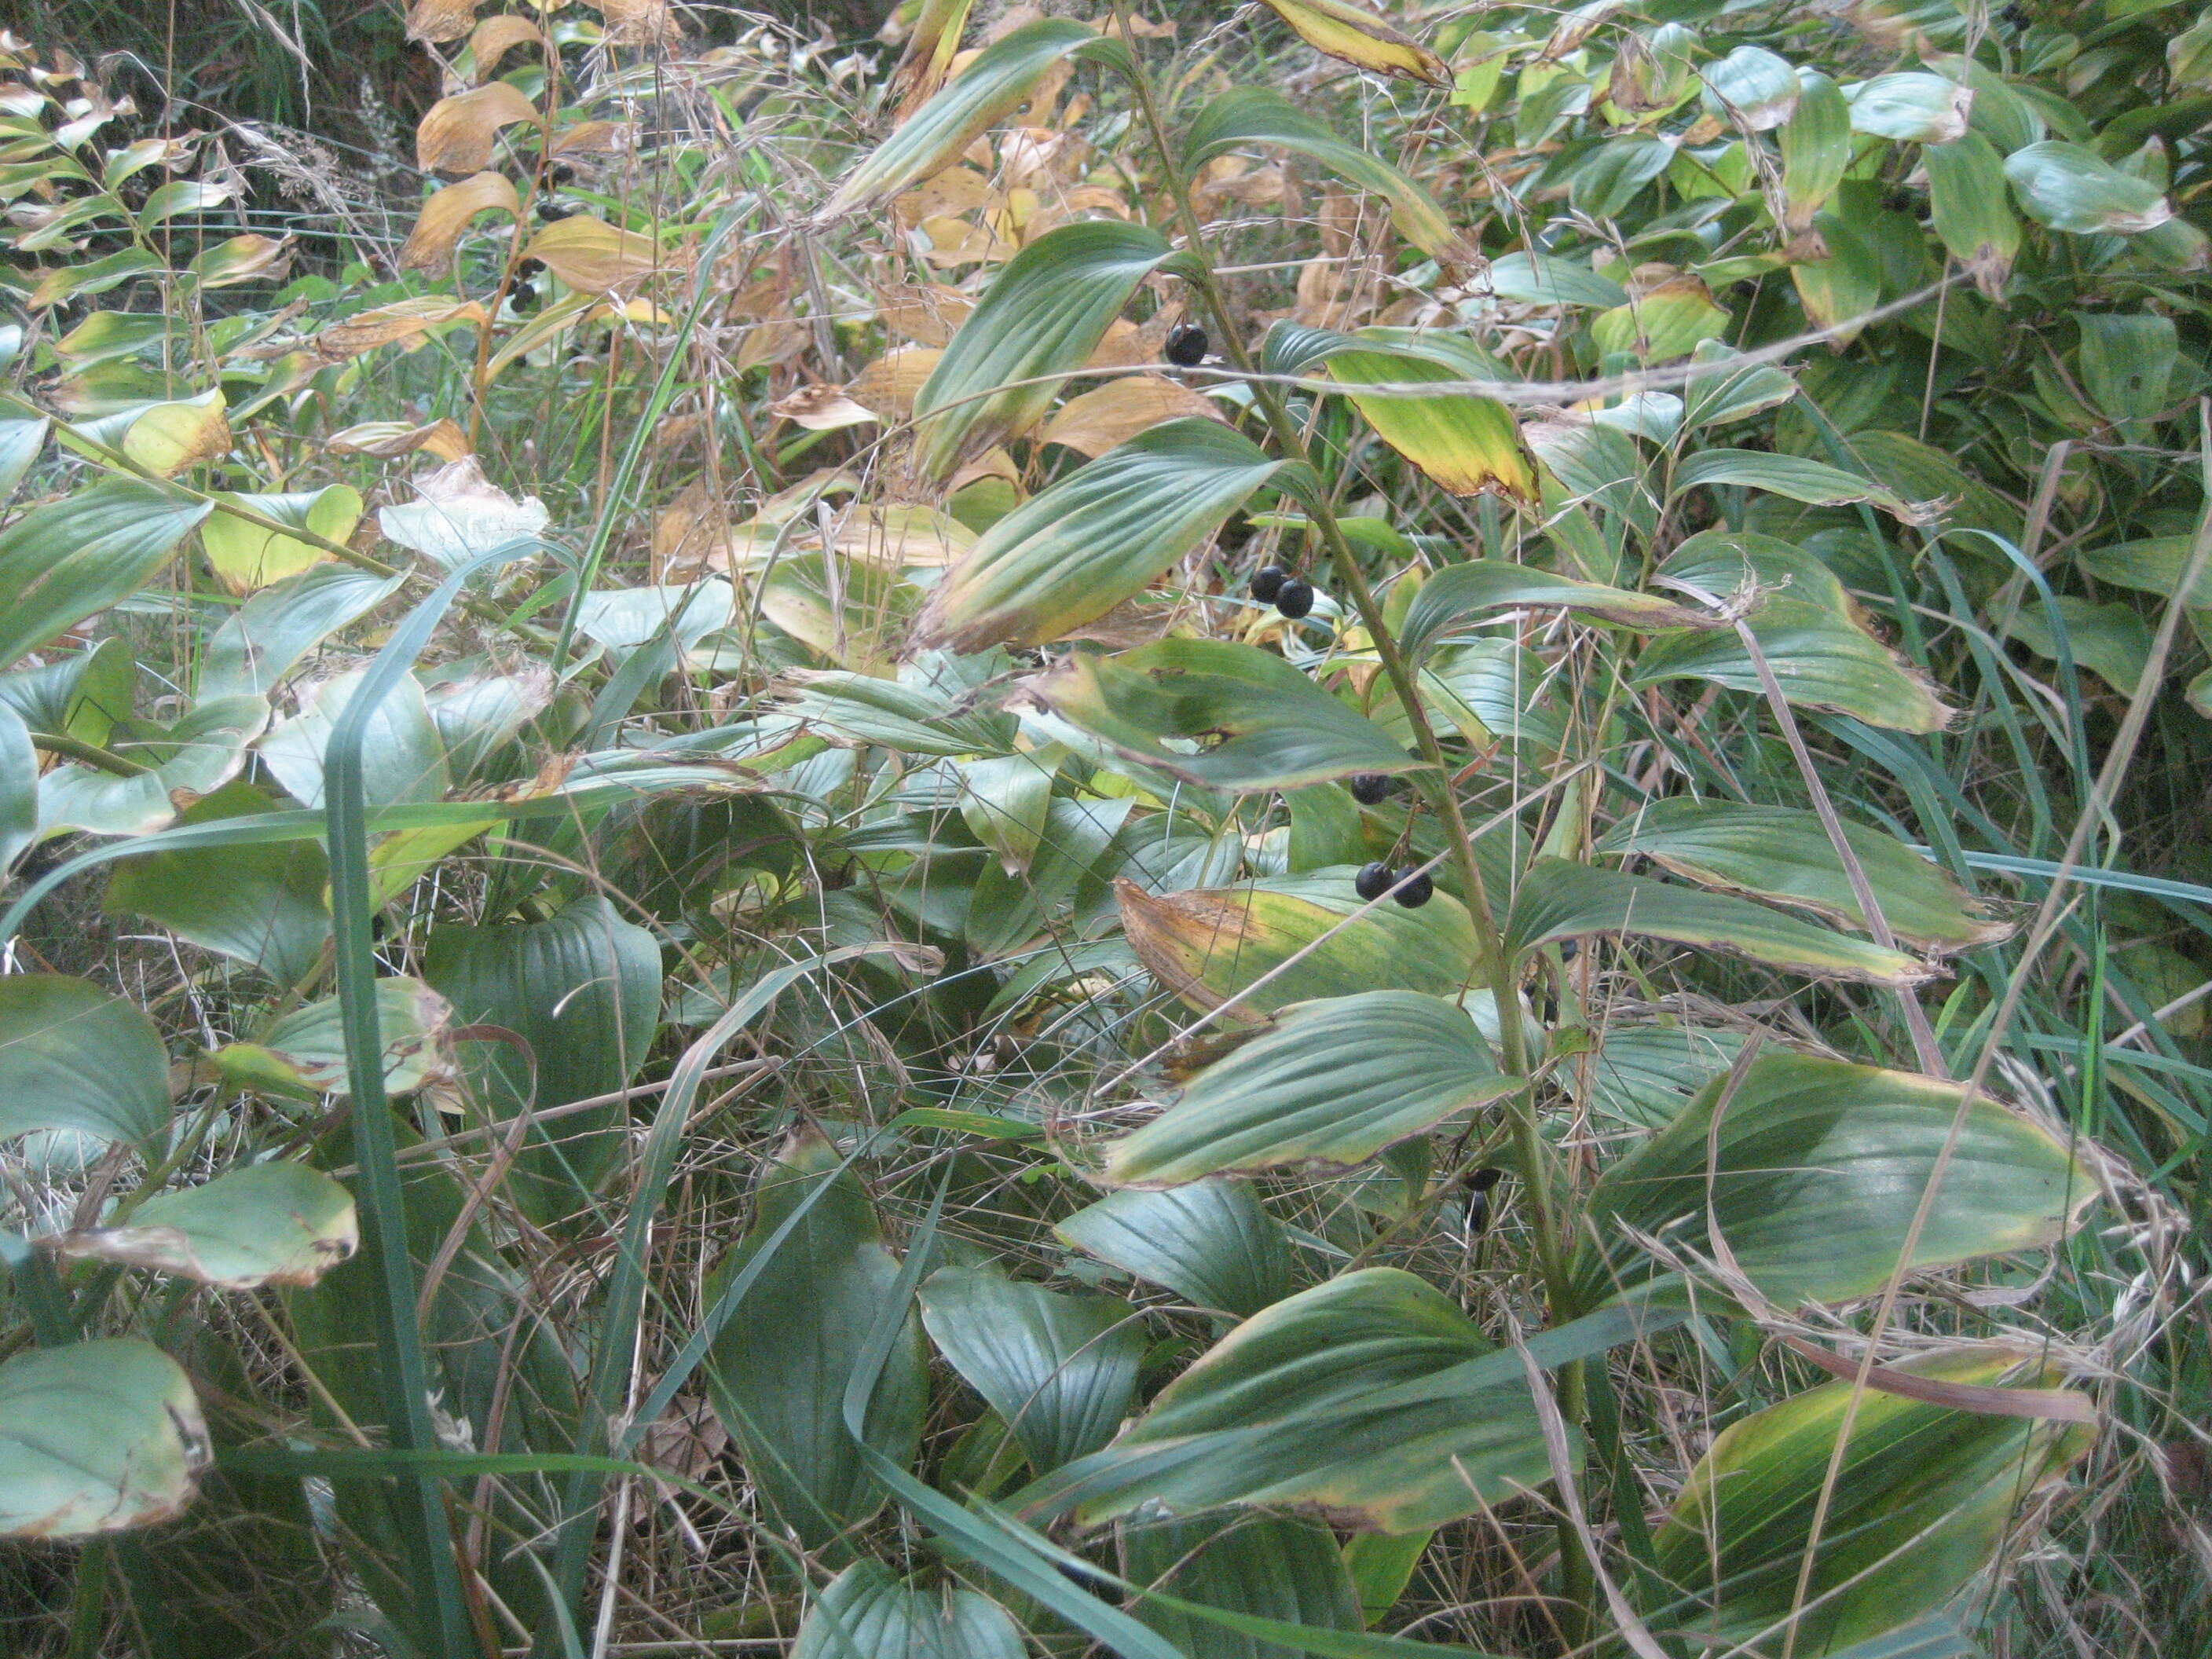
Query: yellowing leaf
{"type": "Point", "coordinates": [1117, 412]}
{"type": "Point", "coordinates": [437, 228]}
{"type": "Point", "coordinates": [1359, 37]}
{"type": "Point", "coordinates": [264, 1223]}
{"type": "Point", "coordinates": [592, 255]}
{"type": "Point", "coordinates": [441, 19]}
{"type": "Point", "coordinates": [169, 438]}
{"type": "Point", "coordinates": [245, 557]}
{"type": "Point", "coordinates": [1469, 444]}
{"type": "Point", "coordinates": [456, 135]}
{"type": "Point", "coordinates": [388, 439]}
{"type": "Point", "coordinates": [242, 260]}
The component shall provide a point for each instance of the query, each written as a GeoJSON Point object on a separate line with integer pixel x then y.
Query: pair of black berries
{"type": "Point", "coordinates": [1186, 346]}
{"type": "Point", "coordinates": [1410, 888]}
{"type": "Point", "coordinates": [1273, 585]}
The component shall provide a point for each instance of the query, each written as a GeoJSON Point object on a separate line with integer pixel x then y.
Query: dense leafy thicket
{"type": "Point", "coordinates": [1301, 831]}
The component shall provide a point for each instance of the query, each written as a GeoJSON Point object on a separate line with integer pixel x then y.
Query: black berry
{"type": "Point", "coordinates": [1415, 891]}
{"type": "Point", "coordinates": [1186, 347]}
{"type": "Point", "coordinates": [1294, 598]}
{"type": "Point", "coordinates": [1267, 581]}
{"type": "Point", "coordinates": [1372, 881]}
{"type": "Point", "coordinates": [1369, 788]}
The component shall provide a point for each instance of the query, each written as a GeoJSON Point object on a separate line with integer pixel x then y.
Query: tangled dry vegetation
{"type": "Point", "coordinates": [1211, 836]}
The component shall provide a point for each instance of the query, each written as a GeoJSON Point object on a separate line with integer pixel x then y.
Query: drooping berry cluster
{"type": "Point", "coordinates": [1411, 888]}
{"type": "Point", "coordinates": [1273, 585]}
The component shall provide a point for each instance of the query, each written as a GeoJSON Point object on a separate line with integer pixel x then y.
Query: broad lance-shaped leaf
{"type": "Point", "coordinates": [1060, 1369]}
{"type": "Point", "coordinates": [1209, 945]}
{"type": "Point", "coordinates": [1801, 480]}
{"type": "Point", "coordinates": [303, 1053]}
{"type": "Point", "coordinates": [73, 1057]}
{"type": "Point", "coordinates": [1783, 854]}
{"type": "Point", "coordinates": [61, 563]}
{"type": "Point", "coordinates": [1276, 1566]}
{"type": "Point", "coordinates": [1820, 660]}
{"type": "Point", "coordinates": [1969, 208]}
{"type": "Point", "coordinates": [1249, 116]}
{"type": "Point", "coordinates": [1460, 591]}
{"type": "Point", "coordinates": [96, 1436]}
{"type": "Point", "coordinates": [867, 1614]}
{"type": "Point", "coordinates": [1270, 727]}
{"type": "Point", "coordinates": [19, 789]}
{"type": "Point", "coordinates": [778, 1369]}
{"type": "Point", "coordinates": [1273, 1414]}
{"type": "Point", "coordinates": [1359, 37]}
{"type": "Point", "coordinates": [258, 903]}
{"type": "Point", "coordinates": [991, 87]}
{"type": "Point", "coordinates": [265, 638]}
{"type": "Point", "coordinates": [205, 750]}
{"type": "Point", "coordinates": [246, 555]}
{"type": "Point", "coordinates": [582, 989]}
{"type": "Point", "coordinates": [1815, 1181]}
{"type": "Point", "coordinates": [1926, 1496]}
{"type": "Point", "coordinates": [1068, 555]}
{"type": "Point", "coordinates": [1039, 321]}
{"type": "Point", "coordinates": [2071, 188]}
{"type": "Point", "coordinates": [1331, 1084]}
{"type": "Point", "coordinates": [1210, 1242]}
{"type": "Point", "coordinates": [267, 1223]}
{"type": "Point", "coordinates": [1560, 899]}
{"type": "Point", "coordinates": [1470, 445]}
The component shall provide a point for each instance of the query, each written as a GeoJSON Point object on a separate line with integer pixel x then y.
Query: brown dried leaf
{"type": "Point", "coordinates": [389, 439]}
{"type": "Point", "coordinates": [438, 229]}
{"type": "Point", "coordinates": [927, 313]}
{"type": "Point", "coordinates": [597, 138]}
{"type": "Point", "coordinates": [888, 386]}
{"type": "Point", "coordinates": [821, 408]}
{"type": "Point", "coordinates": [638, 22]}
{"type": "Point", "coordinates": [403, 320]}
{"type": "Point", "coordinates": [495, 37]}
{"type": "Point", "coordinates": [1117, 412]}
{"type": "Point", "coordinates": [592, 255]}
{"type": "Point", "coordinates": [456, 135]}
{"type": "Point", "coordinates": [441, 19]}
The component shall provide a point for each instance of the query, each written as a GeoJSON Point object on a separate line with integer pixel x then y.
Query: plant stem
{"type": "Point", "coordinates": [91, 754]}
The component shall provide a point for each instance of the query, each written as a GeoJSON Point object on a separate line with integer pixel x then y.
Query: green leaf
{"type": "Point", "coordinates": [1276, 1414]}
{"type": "Point", "coordinates": [264, 1223]}
{"type": "Point", "coordinates": [1752, 86]}
{"type": "Point", "coordinates": [265, 638]}
{"type": "Point", "coordinates": [1783, 854]}
{"type": "Point", "coordinates": [1460, 591]}
{"type": "Point", "coordinates": [1209, 945]}
{"type": "Point", "coordinates": [1537, 279]}
{"type": "Point", "coordinates": [2071, 188]}
{"type": "Point", "coordinates": [258, 903]}
{"type": "Point", "coordinates": [1246, 118]}
{"type": "Point", "coordinates": [63, 562]}
{"type": "Point", "coordinates": [1006, 803]}
{"type": "Point", "coordinates": [2110, 640]}
{"type": "Point", "coordinates": [1106, 532]}
{"type": "Point", "coordinates": [1720, 392]}
{"type": "Point", "coordinates": [1268, 725]}
{"type": "Point", "coordinates": [1359, 37]}
{"type": "Point", "coordinates": [303, 1052]}
{"type": "Point", "coordinates": [916, 718]}
{"type": "Point", "coordinates": [1060, 1369]}
{"type": "Point", "coordinates": [1662, 323]}
{"type": "Point", "coordinates": [201, 752]}
{"type": "Point", "coordinates": [19, 789]}
{"type": "Point", "coordinates": [2127, 362]}
{"type": "Point", "coordinates": [1820, 660]}
{"type": "Point", "coordinates": [778, 1369]}
{"type": "Point", "coordinates": [866, 1613]}
{"type": "Point", "coordinates": [1332, 1083]}
{"type": "Point", "coordinates": [20, 444]}
{"type": "Point", "coordinates": [1801, 480]}
{"type": "Point", "coordinates": [1816, 149]}
{"type": "Point", "coordinates": [1273, 1566]}
{"type": "Point", "coordinates": [403, 758]}
{"type": "Point", "coordinates": [1038, 322]}
{"type": "Point", "coordinates": [1210, 1241]}
{"type": "Point", "coordinates": [245, 557]}
{"type": "Point", "coordinates": [1814, 1182]}
{"type": "Point", "coordinates": [1559, 899]}
{"type": "Point", "coordinates": [991, 87]}
{"type": "Point", "coordinates": [1970, 211]}
{"type": "Point", "coordinates": [97, 1437]}
{"type": "Point", "coordinates": [73, 1057]}
{"type": "Point", "coordinates": [582, 990]}
{"type": "Point", "coordinates": [1925, 1497]}
{"type": "Point", "coordinates": [2153, 565]}
{"type": "Point", "coordinates": [1911, 107]}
